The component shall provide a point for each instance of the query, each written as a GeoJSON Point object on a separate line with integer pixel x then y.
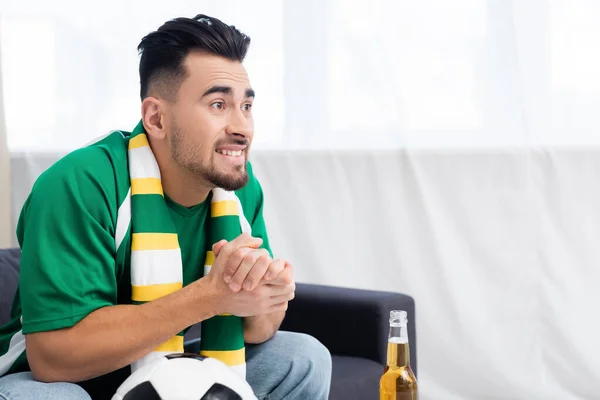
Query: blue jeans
{"type": "Point", "coordinates": [289, 366]}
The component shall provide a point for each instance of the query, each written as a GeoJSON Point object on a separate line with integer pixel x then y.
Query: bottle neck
{"type": "Point", "coordinates": [398, 354]}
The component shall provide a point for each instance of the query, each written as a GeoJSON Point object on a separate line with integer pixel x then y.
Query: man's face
{"type": "Point", "coordinates": [210, 125]}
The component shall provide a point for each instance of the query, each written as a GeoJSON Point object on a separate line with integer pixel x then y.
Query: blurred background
{"type": "Point", "coordinates": [448, 150]}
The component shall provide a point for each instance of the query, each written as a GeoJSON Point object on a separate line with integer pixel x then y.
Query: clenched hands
{"type": "Point", "coordinates": [248, 281]}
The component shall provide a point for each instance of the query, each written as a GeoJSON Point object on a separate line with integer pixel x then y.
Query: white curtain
{"type": "Point", "coordinates": [328, 73]}
{"type": "Point", "coordinates": [444, 149]}
{"type": "Point", "coordinates": [6, 234]}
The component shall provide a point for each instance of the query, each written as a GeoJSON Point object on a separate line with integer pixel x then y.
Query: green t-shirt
{"type": "Point", "coordinates": [67, 233]}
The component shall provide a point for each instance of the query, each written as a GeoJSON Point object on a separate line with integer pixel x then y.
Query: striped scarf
{"type": "Point", "coordinates": [156, 263]}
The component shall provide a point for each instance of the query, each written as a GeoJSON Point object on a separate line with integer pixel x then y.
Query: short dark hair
{"type": "Point", "coordinates": [164, 50]}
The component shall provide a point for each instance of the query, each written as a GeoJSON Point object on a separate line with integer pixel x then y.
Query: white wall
{"type": "Point", "coordinates": [498, 248]}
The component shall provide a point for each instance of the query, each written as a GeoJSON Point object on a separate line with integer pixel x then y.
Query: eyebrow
{"type": "Point", "coordinates": [226, 90]}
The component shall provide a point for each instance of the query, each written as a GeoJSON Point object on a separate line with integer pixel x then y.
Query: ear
{"type": "Point", "coordinates": [153, 117]}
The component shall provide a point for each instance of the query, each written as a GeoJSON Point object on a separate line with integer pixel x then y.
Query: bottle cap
{"type": "Point", "coordinates": [398, 317]}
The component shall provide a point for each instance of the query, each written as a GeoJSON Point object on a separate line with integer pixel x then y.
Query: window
{"type": "Point", "coordinates": [71, 74]}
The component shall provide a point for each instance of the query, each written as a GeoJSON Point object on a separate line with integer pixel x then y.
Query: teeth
{"type": "Point", "coordinates": [230, 153]}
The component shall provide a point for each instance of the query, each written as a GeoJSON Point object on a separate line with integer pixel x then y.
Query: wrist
{"type": "Point", "coordinates": [206, 298]}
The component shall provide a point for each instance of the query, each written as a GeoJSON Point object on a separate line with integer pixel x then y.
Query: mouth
{"type": "Point", "coordinates": [231, 153]}
{"type": "Point", "coordinates": [232, 157]}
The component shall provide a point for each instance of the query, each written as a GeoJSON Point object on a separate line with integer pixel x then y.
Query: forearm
{"type": "Point", "coordinates": [113, 337]}
{"type": "Point", "coordinates": [260, 328]}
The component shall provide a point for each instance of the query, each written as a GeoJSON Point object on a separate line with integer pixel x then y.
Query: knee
{"type": "Point", "coordinates": [319, 358]}
{"type": "Point", "coordinates": [312, 360]}
{"type": "Point", "coordinates": [22, 385]}
{"type": "Point", "coordinates": [66, 391]}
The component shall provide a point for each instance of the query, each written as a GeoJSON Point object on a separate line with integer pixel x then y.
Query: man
{"type": "Point", "coordinates": [85, 312]}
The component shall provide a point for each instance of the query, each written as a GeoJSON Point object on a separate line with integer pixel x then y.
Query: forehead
{"type": "Point", "coordinates": [206, 70]}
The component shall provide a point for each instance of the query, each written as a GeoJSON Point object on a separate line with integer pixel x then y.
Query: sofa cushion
{"type": "Point", "coordinates": [9, 279]}
{"type": "Point", "coordinates": [355, 378]}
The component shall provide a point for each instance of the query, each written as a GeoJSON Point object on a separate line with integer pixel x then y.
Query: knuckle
{"type": "Point", "coordinates": [239, 254]}
{"type": "Point", "coordinates": [228, 248]}
{"type": "Point", "coordinates": [236, 259]}
{"type": "Point", "coordinates": [263, 258]}
{"type": "Point", "coordinates": [231, 266]}
{"type": "Point", "coordinates": [230, 269]}
{"type": "Point", "coordinates": [252, 257]}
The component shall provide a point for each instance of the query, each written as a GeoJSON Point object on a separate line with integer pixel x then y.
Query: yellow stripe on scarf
{"type": "Point", "coordinates": [146, 186]}
{"type": "Point", "coordinates": [210, 258]}
{"type": "Point", "coordinates": [154, 241]}
{"type": "Point", "coordinates": [175, 344]}
{"type": "Point", "coordinates": [140, 140]}
{"type": "Point", "coordinates": [229, 357]}
{"type": "Point", "coordinates": [223, 208]}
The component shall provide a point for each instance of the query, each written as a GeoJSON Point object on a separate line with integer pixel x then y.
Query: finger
{"type": "Point", "coordinates": [257, 271]}
{"type": "Point", "coordinates": [285, 277]}
{"type": "Point", "coordinates": [233, 262]}
{"type": "Point", "coordinates": [247, 240]}
{"type": "Point", "coordinates": [280, 290]}
{"type": "Point", "coordinates": [244, 268]}
{"type": "Point", "coordinates": [275, 268]}
{"type": "Point", "coordinates": [216, 248]}
{"type": "Point", "coordinates": [243, 240]}
{"type": "Point", "coordinates": [280, 307]}
{"type": "Point", "coordinates": [283, 297]}
{"type": "Point", "coordinates": [236, 267]}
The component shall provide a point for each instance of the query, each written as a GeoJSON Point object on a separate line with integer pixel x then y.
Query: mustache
{"type": "Point", "coordinates": [235, 141]}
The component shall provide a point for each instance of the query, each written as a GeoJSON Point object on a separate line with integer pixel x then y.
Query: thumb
{"type": "Point", "coordinates": [216, 248]}
{"type": "Point", "coordinates": [247, 240]}
{"type": "Point", "coordinates": [256, 242]}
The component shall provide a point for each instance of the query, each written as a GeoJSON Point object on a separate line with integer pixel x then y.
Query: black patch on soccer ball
{"type": "Point", "coordinates": [220, 392]}
{"type": "Point", "coordinates": [185, 355]}
{"type": "Point", "coordinates": [143, 391]}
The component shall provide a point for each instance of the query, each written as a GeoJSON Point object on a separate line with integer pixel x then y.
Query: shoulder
{"type": "Point", "coordinates": [95, 164]}
{"type": "Point", "coordinates": [95, 176]}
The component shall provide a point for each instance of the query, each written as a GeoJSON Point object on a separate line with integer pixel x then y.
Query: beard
{"type": "Point", "coordinates": [205, 171]}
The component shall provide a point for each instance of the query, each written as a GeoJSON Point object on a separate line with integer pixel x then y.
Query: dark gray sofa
{"type": "Point", "coordinates": [352, 323]}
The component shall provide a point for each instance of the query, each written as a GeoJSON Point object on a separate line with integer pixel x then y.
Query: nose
{"type": "Point", "coordinates": [240, 125]}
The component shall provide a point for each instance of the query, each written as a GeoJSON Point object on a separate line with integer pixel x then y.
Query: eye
{"type": "Point", "coordinates": [218, 105]}
{"type": "Point", "coordinates": [247, 107]}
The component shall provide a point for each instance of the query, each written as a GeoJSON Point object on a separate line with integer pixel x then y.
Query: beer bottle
{"type": "Point", "coordinates": [398, 381]}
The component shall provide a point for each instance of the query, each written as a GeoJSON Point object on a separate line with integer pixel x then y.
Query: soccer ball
{"type": "Point", "coordinates": [184, 377]}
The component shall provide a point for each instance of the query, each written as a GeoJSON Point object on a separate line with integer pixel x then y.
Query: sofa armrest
{"type": "Point", "coordinates": [349, 322]}
{"type": "Point", "coordinates": [9, 281]}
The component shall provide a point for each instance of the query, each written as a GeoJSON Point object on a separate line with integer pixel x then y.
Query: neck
{"type": "Point", "coordinates": [181, 185]}
{"type": "Point", "coordinates": [398, 355]}
{"type": "Point", "coordinates": [177, 186]}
